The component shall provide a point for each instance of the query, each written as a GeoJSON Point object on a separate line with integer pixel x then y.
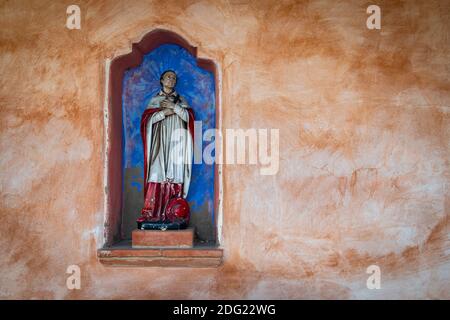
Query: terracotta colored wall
{"type": "Point", "coordinates": [364, 123]}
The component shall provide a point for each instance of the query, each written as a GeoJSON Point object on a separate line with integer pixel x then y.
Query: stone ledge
{"type": "Point", "coordinates": [164, 257]}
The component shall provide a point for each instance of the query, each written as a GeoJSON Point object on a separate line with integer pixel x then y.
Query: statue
{"type": "Point", "coordinates": [167, 129]}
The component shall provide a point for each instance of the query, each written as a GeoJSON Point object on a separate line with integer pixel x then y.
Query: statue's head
{"type": "Point", "coordinates": [168, 79]}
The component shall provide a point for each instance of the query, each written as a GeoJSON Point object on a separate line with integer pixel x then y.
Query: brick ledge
{"type": "Point", "coordinates": [201, 257]}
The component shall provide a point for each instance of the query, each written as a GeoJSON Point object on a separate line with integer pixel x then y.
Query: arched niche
{"type": "Point", "coordinates": [117, 221]}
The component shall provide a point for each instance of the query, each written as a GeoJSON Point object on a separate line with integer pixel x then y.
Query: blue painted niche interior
{"type": "Point", "coordinates": [197, 86]}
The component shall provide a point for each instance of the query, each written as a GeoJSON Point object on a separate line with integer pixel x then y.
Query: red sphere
{"type": "Point", "coordinates": [178, 210]}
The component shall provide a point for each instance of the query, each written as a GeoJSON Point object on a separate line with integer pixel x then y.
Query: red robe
{"type": "Point", "coordinates": [156, 194]}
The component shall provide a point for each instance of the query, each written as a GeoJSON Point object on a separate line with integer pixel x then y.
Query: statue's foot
{"type": "Point", "coordinates": [159, 225]}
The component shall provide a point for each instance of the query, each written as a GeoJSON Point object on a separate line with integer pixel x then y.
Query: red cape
{"type": "Point", "coordinates": [145, 117]}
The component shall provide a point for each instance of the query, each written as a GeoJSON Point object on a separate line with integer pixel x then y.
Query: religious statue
{"type": "Point", "coordinates": [167, 129]}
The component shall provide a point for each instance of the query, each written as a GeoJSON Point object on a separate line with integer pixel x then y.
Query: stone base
{"type": "Point", "coordinates": [167, 238]}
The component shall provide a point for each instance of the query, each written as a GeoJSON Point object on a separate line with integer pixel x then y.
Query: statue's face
{"type": "Point", "coordinates": [169, 80]}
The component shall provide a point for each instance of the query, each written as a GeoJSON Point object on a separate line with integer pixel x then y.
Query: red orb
{"type": "Point", "coordinates": [178, 210]}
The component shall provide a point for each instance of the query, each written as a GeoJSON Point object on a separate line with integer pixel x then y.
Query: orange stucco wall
{"type": "Point", "coordinates": [364, 130]}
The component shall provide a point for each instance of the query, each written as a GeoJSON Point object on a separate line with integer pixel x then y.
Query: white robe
{"type": "Point", "coordinates": [169, 145]}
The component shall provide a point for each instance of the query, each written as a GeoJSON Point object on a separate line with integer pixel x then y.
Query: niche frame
{"type": "Point", "coordinates": [114, 250]}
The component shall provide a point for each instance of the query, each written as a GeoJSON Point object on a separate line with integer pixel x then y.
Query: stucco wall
{"type": "Point", "coordinates": [364, 129]}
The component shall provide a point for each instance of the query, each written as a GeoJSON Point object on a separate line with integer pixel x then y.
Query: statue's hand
{"type": "Point", "coordinates": [167, 104]}
{"type": "Point", "coordinates": [168, 111]}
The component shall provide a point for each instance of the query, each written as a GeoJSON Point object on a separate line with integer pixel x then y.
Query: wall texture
{"type": "Point", "coordinates": [364, 128]}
